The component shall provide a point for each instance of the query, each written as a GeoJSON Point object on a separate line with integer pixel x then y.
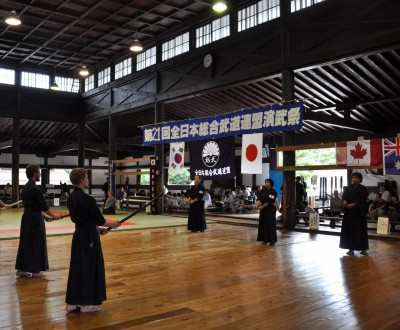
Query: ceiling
{"type": "Point", "coordinates": [359, 94]}
{"type": "Point", "coordinates": [69, 33]}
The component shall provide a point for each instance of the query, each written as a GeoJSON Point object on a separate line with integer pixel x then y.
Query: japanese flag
{"type": "Point", "coordinates": [252, 153]}
{"type": "Point", "coordinates": [176, 157]}
{"type": "Point", "coordinates": [359, 153]}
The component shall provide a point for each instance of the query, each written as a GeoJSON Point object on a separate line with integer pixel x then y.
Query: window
{"type": "Point", "coordinates": [175, 47]}
{"type": "Point", "coordinates": [7, 76]}
{"type": "Point", "coordinates": [36, 80]}
{"type": "Point", "coordinates": [296, 5]}
{"type": "Point", "coordinates": [89, 83]}
{"type": "Point", "coordinates": [57, 175]}
{"type": "Point", "coordinates": [67, 84]}
{"type": "Point", "coordinates": [104, 76]}
{"type": "Point", "coordinates": [123, 68]}
{"type": "Point", "coordinates": [203, 35]}
{"type": "Point", "coordinates": [146, 59]}
{"type": "Point", "coordinates": [220, 28]}
{"type": "Point", "coordinates": [258, 13]}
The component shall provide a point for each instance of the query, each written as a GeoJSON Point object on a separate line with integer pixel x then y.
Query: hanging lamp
{"type": "Point", "coordinates": [136, 46]}
{"type": "Point", "coordinates": [219, 6]}
{"type": "Point", "coordinates": [83, 71]}
{"type": "Point", "coordinates": [13, 19]}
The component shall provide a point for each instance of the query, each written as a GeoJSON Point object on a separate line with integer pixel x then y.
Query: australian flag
{"type": "Point", "coordinates": [391, 150]}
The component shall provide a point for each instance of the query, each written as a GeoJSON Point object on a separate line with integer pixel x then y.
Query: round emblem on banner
{"type": "Point", "coordinates": [251, 152]}
{"type": "Point", "coordinates": [178, 158]}
{"type": "Point", "coordinates": [210, 154]}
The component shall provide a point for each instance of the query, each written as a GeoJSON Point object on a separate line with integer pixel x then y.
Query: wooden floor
{"type": "Point", "coordinates": [169, 278]}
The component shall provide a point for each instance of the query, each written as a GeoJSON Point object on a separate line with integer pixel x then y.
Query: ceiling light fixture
{"type": "Point", "coordinates": [219, 6]}
{"type": "Point", "coordinates": [13, 19]}
{"type": "Point", "coordinates": [54, 86]}
{"type": "Point", "coordinates": [83, 71]}
{"type": "Point", "coordinates": [136, 46]}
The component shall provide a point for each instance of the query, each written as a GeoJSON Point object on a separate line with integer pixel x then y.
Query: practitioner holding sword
{"type": "Point", "coordinates": [86, 288]}
{"type": "Point", "coordinates": [32, 259]}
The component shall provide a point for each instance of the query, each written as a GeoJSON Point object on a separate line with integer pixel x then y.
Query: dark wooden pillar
{"type": "Point", "coordinates": [15, 158]}
{"type": "Point", "coordinates": [159, 152]}
{"type": "Point", "coordinates": [81, 145]}
{"type": "Point", "coordinates": [112, 151]}
{"type": "Point", "coordinates": [288, 138]}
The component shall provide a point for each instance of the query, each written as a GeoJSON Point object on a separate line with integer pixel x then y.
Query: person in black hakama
{"type": "Point", "coordinates": [32, 258]}
{"type": "Point", "coordinates": [197, 218]}
{"type": "Point", "coordinates": [354, 234]}
{"type": "Point", "coordinates": [267, 221]}
{"type": "Point", "coordinates": [86, 288]}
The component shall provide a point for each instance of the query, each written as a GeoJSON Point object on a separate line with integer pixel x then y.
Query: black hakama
{"type": "Point", "coordinates": [354, 233]}
{"type": "Point", "coordinates": [86, 278]}
{"type": "Point", "coordinates": [32, 249]}
{"type": "Point", "coordinates": [267, 220]}
{"type": "Point", "coordinates": [197, 218]}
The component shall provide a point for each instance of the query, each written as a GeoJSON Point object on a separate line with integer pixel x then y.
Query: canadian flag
{"type": "Point", "coordinates": [176, 157]}
{"type": "Point", "coordinates": [252, 153]}
{"type": "Point", "coordinates": [359, 153]}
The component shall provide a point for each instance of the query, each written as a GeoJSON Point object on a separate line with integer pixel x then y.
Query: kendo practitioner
{"type": "Point", "coordinates": [86, 288]}
{"type": "Point", "coordinates": [197, 218]}
{"type": "Point", "coordinates": [32, 259]}
{"type": "Point", "coordinates": [267, 220]}
{"type": "Point", "coordinates": [354, 233]}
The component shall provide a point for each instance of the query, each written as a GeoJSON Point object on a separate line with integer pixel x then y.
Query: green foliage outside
{"type": "Point", "coordinates": [180, 179]}
{"type": "Point", "coordinates": [145, 179]}
{"type": "Point", "coordinates": [325, 156]}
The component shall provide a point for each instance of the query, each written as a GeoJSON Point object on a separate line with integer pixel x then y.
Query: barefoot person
{"type": "Point", "coordinates": [86, 288]}
{"type": "Point", "coordinates": [32, 259]}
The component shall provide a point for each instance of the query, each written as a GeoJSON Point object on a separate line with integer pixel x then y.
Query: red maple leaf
{"type": "Point", "coordinates": [358, 152]}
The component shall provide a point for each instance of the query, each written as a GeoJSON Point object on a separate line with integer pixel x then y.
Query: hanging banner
{"type": "Point", "coordinates": [360, 152]}
{"type": "Point", "coordinates": [212, 159]}
{"type": "Point", "coordinates": [176, 158]}
{"type": "Point", "coordinates": [391, 149]}
{"type": "Point", "coordinates": [274, 118]}
{"type": "Point", "coordinates": [251, 153]}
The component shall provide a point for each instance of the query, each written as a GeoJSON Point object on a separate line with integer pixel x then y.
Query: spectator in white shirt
{"type": "Point", "coordinates": [207, 198]}
{"type": "Point", "coordinates": [385, 194]}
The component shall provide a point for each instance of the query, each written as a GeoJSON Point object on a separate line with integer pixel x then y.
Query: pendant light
{"type": "Point", "coordinates": [13, 19]}
{"type": "Point", "coordinates": [219, 6]}
{"type": "Point", "coordinates": [54, 86]}
{"type": "Point", "coordinates": [83, 71]}
{"type": "Point", "coordinates": [136, 46]}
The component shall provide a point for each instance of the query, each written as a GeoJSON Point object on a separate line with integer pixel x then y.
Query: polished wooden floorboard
{"type": "Point", "coordinates": [169, 278]}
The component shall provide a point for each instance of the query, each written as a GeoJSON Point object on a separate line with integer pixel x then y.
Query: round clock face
{"type": "Point", "coordinates": [208, 60]}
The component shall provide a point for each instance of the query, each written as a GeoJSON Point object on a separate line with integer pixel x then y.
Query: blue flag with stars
{"type": "Point", "coordinates": [391, 150]}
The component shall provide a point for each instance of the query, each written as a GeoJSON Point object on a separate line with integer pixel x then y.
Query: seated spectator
{"type": "Point", "coordinates": [124, 198]}
{"type": "Point", "coordinates": [307, 210]}
{"type": "Point", "coordinates": [227, 201]}
{"type": "Point", "coordinates": [335, 205]}
{"type": "Point", "coordinates": [207, 198]}
{"type": "Point", "coordinates": [385, 194]}
{"type": "Point", "coordinates": [109, 207]}
{"type": "Point", "coordinates": [377, 208]}
{"type": "Point", "coordinates": [7, 191]}
{"type": "Point", "coordinates": [168, 200]}
{"type": "Point", "coordinates": [393, 211]}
